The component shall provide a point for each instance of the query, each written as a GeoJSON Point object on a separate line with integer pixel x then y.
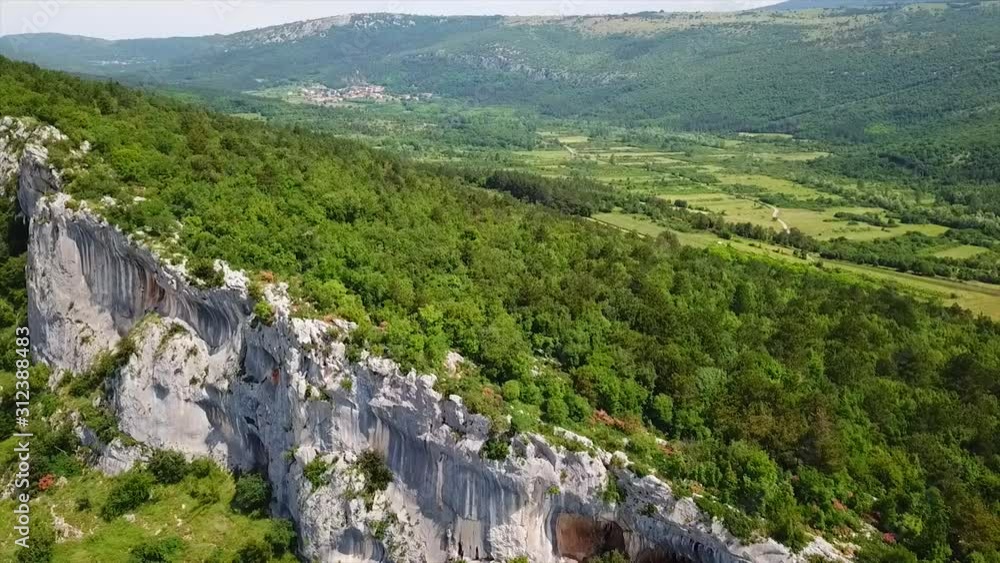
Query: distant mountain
{"type": "Point", "coordinates": [790, 5]}
{"type": "Point", "coordinates": [829, 73]}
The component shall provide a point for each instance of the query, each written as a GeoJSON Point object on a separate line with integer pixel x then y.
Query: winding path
{"type": "Point", "coordinates": [775, 216]}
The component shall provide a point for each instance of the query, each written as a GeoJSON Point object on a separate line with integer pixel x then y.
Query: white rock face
{"type": "Point", "coordinates": [209, 380]}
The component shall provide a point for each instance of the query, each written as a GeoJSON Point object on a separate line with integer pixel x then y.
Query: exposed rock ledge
{"type": "Point", "coordinates": [207, 380]}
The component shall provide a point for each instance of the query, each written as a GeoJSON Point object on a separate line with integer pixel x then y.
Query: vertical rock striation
{"type": "Point", "coordinates": [209, 380]}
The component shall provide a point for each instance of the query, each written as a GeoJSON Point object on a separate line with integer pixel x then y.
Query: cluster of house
{"type": "Point", "coordinates": [323, 96]}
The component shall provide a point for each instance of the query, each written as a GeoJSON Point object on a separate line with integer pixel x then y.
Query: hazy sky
{"type": "Point", "coordinates": [120, 19]}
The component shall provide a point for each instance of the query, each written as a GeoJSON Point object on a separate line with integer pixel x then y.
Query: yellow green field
{"type": "Point", "coordinates": [777, 136]}
{"type": "Point", "coordinates": [822, 225]}
{"type": "Point", "coordinates": [960, 252]}
{"type": "Point", "coordinates": [770, 184]}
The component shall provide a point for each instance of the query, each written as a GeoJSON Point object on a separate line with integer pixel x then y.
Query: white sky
{"type": "Point", "coordinates": [122, 19]}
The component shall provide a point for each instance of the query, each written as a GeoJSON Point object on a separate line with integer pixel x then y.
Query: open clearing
{"type": "Point", "coordinates": [770, 184]}
{"type": "Point", "coordinates": [172, 512]}
{"type": "Point", "coordinates": [960, 252]}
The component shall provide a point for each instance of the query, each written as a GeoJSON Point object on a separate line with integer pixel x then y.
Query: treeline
{"type": "Point", "coordinates": [574, 196]}
{"type": "Point", "coordinates": [965, 174]}
{"type": "Point", "coordinates": [873, 219]}
{"type": "Point", "coordinates": [803, 399]}
{"type": "Point", "coordinates": [955, 216]}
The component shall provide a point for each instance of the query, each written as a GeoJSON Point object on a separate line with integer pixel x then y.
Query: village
{"type": "Point", "coordinates": [363, 91]}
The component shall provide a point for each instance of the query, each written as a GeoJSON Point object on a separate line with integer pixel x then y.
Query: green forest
{"type": "Point", "coordinates": [799, 400]}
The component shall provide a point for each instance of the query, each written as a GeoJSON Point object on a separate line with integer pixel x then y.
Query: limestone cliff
{"type": "Point", "coordinates": [209, 379]}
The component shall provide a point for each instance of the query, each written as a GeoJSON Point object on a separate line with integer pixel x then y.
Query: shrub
{"type": "Point", "coordinates": [204, 273]}
{"type": "Point", "coordinates": [255, 291]}
{"type": "Point", "coordinates": [315, 472]}
{"type": "Point", "coordinates": [106, 365]}
{"type": "Point", "coordinates": [522, 422]}
{"type": "Point", "coordinates": [202, 467]}
{"type": "Point", "coordinates": [663, 412]}
{"type": "Point", "coordinates": [39, 549]}
{"type": "Point", "coordinates": [101, 420]}
{"type": "Point", "coordinates": [263, 311]}
{"type": "Point", "coordinates": [497, 448]}
{"type": "Point", "coordinates": [280, 537]}
{"type": "Point", "coordinates": [736, 521]}
{"type": "Point", "coordinates": [129, 491]}
{"type": "Point", "coordinates": [54, 452]}
{"type": "Point", "coordinates": [205, 492]}
{"type": "Point", "coordinates": [253, 552]}
{"type": "Point", "coordinates": [612, 494]}
{"type": "Point", "coordinates": [511, 391]}
{"type": "Point", "coordinates": [168, 467]}
{"type": "Point", "coordinates": [376, 473]}
{"type": "Point", "coordinates": [156, 551]}
{"type": "Point", "coordinates": [253, 495]}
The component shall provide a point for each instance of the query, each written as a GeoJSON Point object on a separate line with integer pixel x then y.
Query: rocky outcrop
{"type": "Point", "coordinates": [208, 379]}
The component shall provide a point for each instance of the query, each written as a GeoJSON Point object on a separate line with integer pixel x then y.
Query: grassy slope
{"type": "Point", "coordinates": [210, 532]}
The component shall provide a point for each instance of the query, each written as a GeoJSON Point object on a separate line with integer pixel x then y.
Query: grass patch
{"type": "Point", "coordinates": [209, 532]}
{"type": "Point", "coordinates": [960, 252]}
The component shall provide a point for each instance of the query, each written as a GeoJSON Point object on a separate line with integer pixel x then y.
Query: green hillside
{"type": "Point", "coordinates": [792, 5]}
{"type": "Point", "coordinates": [847, 74]}
{"type": "Point", "coordinates": [804, 401]}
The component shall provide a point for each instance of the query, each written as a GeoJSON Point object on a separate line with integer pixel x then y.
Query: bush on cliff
{"type": "Point", "coordinates": [168, 466]}
{"type": "Point", "coordinates": [281, 537]}
{"type": "Point", "coordinates": [377, 475]}
{"type": "Point", "coordinates": [128, 492]}
{"type": "Point", "coordinates": [253, 495]}
{"type": "Point", "coordinates": [104, 367]}
{"type": "Point", "coordinates": [315, 472]}
{"type": "Point", "coordinates": [264, 312]}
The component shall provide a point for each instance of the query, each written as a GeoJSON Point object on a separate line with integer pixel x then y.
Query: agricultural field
{"type": "Point", "coordinates": [733, 178]}
{"type": "Point", "coordinates": [714, 179]}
